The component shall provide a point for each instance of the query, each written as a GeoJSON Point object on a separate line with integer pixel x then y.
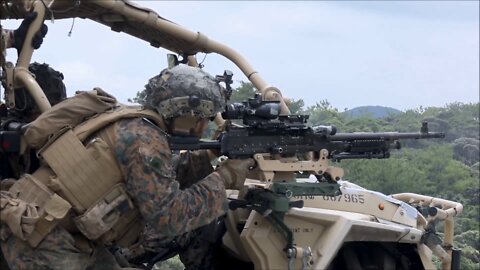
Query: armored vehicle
{"type": "Point", "coordinates": [278, 221]}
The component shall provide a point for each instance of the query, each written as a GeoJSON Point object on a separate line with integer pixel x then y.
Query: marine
{"type": "Point", "coordinates": [180, 101]}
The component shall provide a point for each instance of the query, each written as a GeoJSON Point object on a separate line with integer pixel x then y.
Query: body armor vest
{"type": "Point", "coordinates": [79, 174]}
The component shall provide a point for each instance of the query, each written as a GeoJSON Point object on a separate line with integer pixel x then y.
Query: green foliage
{"type": "Point", "coordinates": [431, 171]}
{"type": "Point", "coordinates": [469, 243]}
{"type": "Point", "coordinates": [296, 106]}
{"type": "Point", "coordinates": [138, 97]}
{"type": "Point", "coordinates": [246, 91]}
{"type": "Point", "coordinates": [242, 93]}
{"type": "Point", "coordinates": [322, 113]}
{"type": "Point", "coordinates": [366, 124]}
{"type": "Point", "coordinates": [457, 120]}
{"type": "Point", "coordinates": [466, 150]}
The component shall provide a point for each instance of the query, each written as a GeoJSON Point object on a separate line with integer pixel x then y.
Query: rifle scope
{"type": "Point", "coordinates": [264, 110]}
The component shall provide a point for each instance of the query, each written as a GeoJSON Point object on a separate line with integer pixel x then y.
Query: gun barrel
{"type": "Point", "coordinates": [384, 136]}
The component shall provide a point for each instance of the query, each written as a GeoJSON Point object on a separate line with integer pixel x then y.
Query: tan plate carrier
{"type": "Point", "coordinates": [78, 176]}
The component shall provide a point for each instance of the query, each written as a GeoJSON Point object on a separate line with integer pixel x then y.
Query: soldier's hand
{"type": "Point", "coordinates": [20, 34]}
{"type": "Point", "coordinates": [234, 172]}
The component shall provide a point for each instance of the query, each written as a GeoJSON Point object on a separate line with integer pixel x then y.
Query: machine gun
{"type": "Point", "coordinates": [266, 131]}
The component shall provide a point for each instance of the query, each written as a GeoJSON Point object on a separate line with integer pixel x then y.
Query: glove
{"type": "Point", "coordinates": [234, 172]}
{"type": "Point", "coordinates": [21, 32]}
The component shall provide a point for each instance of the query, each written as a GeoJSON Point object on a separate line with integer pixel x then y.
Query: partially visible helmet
{"type": "Point", "coordinates": [51, 82]}
{"type": "Point", "coordinates": [184, 90]}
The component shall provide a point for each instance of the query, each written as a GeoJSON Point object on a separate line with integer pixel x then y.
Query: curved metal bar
{"type": "Point", "coordinates": [198, 41]}
{"type": "Point", "coordinates": [22, 76]}
{"type": "Point", "coordinates": [449, 210]}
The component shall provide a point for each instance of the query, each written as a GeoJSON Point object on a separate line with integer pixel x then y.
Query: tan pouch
{"type": "Point", "coordinates": [105, 213]}
{"type": "Point", "coordinates": [19, 215]}
{"type": "Point", "coordinates": [40, 208]}
{"type": "Point", "coordinates": [127, 230]}
{"type": "Point", "coordinates": [54, 210]}
{"type": "Point", "coordinates": [68, 113]}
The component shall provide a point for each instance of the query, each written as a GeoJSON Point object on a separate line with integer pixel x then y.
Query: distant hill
{"type": "Point", "coordinates": [371, 111]}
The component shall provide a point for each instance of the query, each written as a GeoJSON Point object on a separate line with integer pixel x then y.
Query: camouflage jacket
{"type": "Point", "coordinates": [150, 171]}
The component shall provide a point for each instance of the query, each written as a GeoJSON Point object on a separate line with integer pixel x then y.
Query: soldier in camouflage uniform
{"type": "Point", "coordinates": [186, 98]}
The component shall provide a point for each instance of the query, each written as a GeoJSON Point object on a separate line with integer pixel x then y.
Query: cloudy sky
{"type": "Point", "coordinates": [397, 54]}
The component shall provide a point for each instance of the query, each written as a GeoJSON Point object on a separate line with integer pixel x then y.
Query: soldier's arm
{"type": "Point", "coordinates": [191, 167]}
{"type": "Point", "coordinates": [146, 162]}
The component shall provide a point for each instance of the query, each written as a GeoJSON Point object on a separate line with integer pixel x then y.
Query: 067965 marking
{"type": "Point", "coordinates": [348, 198]}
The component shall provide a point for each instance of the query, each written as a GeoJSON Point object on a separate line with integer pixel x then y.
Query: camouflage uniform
{"type": "Point", "coordinates": [145, 160]}
{"type": "Point", "coordinates": [196, 248]}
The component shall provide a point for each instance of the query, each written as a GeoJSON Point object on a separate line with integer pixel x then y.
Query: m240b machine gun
{"type": "Point", "coordinates": [266, 131]}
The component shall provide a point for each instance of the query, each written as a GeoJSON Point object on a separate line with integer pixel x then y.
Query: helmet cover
{"type": "Point", "coordinates": [184, 90]}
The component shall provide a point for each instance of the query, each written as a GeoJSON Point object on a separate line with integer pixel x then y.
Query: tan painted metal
{"type": "Point", "coordinates": [21, 74]}
{"type": "Point", "coordinates": [446, 210]}
{"type": "Point", "coordinates": [324, 231]}
{"type": "Point", "coordinates": [198, 41]}
{"type": "Point", "coordinates": [270, 168]}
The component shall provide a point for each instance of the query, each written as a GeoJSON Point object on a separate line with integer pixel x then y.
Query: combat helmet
{"type": "Point", "coordinates": [183, 90]}
{"type": "Point", "coordinates": [51, 82]}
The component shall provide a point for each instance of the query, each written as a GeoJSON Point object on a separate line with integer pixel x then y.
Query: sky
{"type": "Point", "coordinates": [352, 53]}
